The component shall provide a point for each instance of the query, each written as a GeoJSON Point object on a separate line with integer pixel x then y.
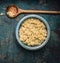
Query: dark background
{"type": "Point", "coordinates": [11, 51]}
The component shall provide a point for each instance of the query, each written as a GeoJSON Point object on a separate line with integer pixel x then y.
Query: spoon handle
{"type": "Point", "coordinates": [41, 11]}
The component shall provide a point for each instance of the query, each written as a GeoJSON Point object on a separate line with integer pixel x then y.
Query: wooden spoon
{"type": "Point", "coordinates": [13, 11]}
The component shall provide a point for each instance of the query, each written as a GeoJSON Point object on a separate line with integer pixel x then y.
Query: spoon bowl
{"type": "Point", "coordinates": [15, 12]}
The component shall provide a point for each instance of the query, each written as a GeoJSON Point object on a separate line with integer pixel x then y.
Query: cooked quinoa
{"type": "Point", "coordinates": [32, 32]}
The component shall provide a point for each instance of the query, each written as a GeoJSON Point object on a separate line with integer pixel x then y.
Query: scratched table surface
{"type": "Point", "coordinates": [11, 51]}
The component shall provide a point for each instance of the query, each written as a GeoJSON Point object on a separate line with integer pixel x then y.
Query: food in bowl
{"type": "Point", "coordinates": [32, 32]}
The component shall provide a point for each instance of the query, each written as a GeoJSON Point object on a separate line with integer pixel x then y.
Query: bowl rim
{"type": "Point", "coordinates": [35, 47]}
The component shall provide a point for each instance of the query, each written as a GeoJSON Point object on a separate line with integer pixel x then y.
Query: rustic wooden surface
{"type": "Point", "coordinates": [11, 51]}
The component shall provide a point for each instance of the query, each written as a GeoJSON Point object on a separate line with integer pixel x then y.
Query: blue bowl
{"type": "Point", "coordinates": [34, 47]}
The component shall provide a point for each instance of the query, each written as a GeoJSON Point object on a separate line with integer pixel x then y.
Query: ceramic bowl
{"type": "Point", "coordinates": [34, 47]}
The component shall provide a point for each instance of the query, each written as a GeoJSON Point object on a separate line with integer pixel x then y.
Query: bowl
{"type": "Point", "coordinates": [34, 47]}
